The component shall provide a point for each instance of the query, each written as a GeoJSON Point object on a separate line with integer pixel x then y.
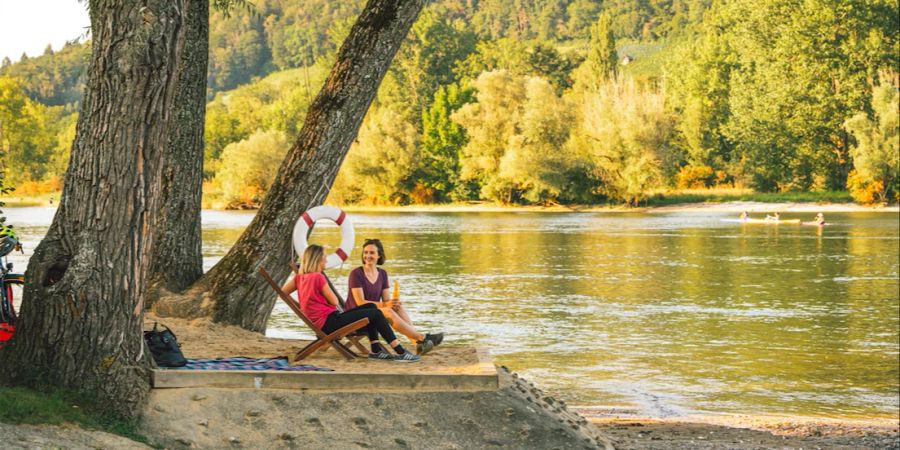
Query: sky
{"type": "Point", "coordinates": [29, 25]}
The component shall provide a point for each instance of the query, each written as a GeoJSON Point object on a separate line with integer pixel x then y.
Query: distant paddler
{"type": "Point", "coordinates": [773, 218]}
{"type": "Point", "coordinates": [744, 216]}
{"type": "Point", "coordinates": [819, 221]}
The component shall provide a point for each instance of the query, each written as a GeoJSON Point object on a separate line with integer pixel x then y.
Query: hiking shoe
{"type": "Point", "coordinates": [407, 357]}
{"type": "Point", "coordinates": [435, 338]}
{"type": "Point", "coordinates": [423, 347]}
{"type": "Point", "coordinates": [381, 355]}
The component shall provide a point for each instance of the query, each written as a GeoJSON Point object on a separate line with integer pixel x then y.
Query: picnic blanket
{"type": "Point", "coordinates": [244, 363]}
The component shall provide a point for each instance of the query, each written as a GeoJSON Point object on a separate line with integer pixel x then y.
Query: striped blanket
{"type": "Point", "coordinates": [244, 363]}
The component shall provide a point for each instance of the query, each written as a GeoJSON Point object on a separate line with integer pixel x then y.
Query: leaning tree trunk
{"type": "Point", "coordinates": [81, 319]}
{"type": "Point", "coordinates": [232, 292]}
{"type": "Point", "coordinates": [176, 262]}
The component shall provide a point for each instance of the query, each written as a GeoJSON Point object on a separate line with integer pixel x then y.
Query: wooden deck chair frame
{"type": "Point", "coordinates": [323, 339]}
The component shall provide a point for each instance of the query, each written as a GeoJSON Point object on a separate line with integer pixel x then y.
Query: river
{"type": "Point", "coordinates": [670, 313]}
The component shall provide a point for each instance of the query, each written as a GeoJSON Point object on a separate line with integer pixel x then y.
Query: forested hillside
{"type": "Point", "coordinates": [532, 101]}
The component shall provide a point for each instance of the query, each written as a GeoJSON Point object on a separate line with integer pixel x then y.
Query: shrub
{"type": "Point", "coordinates": [865, 191]}
{"type": "Point", "coordinates": [696, 177]}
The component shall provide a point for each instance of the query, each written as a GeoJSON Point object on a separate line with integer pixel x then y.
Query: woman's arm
{"type": "Point", "coordinates": [386, 292]}
{"type": "Point", "coordinates": [358, 295]}
{"type": "Point", "coordinates": [329, 295]}
{"type": "Point", "coordinates": [289, 285]}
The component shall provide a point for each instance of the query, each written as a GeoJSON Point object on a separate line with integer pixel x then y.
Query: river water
{"type": "Point", "coordinates": [670, 313]}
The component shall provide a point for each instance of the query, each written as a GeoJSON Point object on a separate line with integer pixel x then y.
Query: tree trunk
{"type": "Point", "coordinates": [177, 262]}
{"type": "Point", "coordinates": [81, 319]}
{"type": "Point", "coordinates": [232, 292]}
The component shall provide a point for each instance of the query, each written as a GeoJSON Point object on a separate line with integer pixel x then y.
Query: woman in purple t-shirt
{"type": "Point", "coordinates": [369, 284]}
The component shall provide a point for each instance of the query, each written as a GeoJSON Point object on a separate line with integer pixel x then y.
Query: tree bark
{"type": "Point", "coordinates": [231, 292]}
{"type": "Point", "coordinates": [177, 262]}
{"type": "Point", "coordinates": [82, 313]}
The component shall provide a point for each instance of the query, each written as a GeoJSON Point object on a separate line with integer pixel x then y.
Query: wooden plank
{"type": "Point", "coordinates": [333, 381]}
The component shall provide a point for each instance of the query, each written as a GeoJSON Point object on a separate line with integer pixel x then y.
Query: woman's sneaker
{"type": "Point", "coordinates": [435, 338]}
{"type": "Point", "coordinates": [381, 355]}
{"type": "Point", "coordinates": [424, 346]}
{"type": "Point", "coordinates": [406, 357]}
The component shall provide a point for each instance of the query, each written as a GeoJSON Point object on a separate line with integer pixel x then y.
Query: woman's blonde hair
{"type": "Point", "coordinates": [312, 257]}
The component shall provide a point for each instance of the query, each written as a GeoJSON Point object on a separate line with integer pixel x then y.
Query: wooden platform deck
{"type": "Point", "coordinates": [468, 370]}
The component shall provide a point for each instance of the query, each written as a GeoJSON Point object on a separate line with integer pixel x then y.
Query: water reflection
{"type": "Point", "coordinates": [674, 312]}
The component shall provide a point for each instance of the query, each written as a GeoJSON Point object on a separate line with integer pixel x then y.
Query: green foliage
{"type": "Point", "coordinates": [534, 163]}
{"type": "Point", "coordinates": [248, 168]}
{"type": "Point", "coordinates": [300, 32]}
{"type": "Point", "coordinates": [53, 79]}
{"type": "Point", "coordinates": [545, 61]}
{"type": "Point", "coordinates": [425, 62]}
{"type": "Point", "coordinates": [28, 136]}
{"type": "Point", "coordinates": [442, 142]}
{"type": "Point", "coordinates": [490, 123]}
{"type": "Point", "coordinates": [518, 58]}
{"type": "Point", "coordinates": [802, 69]}
{"type": "Point", "coordinates": [698, 83]}
{"type": "Point", "coordinates": [602, 60]}
{"type": "Point", "coordinates": [876, 156]}
{"type": "Point", "coordinates": [772, 95]}
{"type": "Point", "coordinates": [379, 166]}
{"type": "Point", "coordinates": [517, 132]}
{"type": "Point", "coordinates": [276, 102]}
{"type": "Point", "coordinates": [653, 19]}
{"type": "Point", "coordinates": [624, 131]}
{"type": "Point", "coordinates": [582, 14]}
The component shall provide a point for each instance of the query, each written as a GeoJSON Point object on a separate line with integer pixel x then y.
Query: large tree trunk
{"type": "Point", "coordinates": [176, 262]}
{"type": "Point", "coordinates": [81, 319]}
{"type": "Point", "coordinates": [232, 292]}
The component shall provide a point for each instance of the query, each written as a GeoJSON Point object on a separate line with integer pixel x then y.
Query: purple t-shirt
{"type": "Point", "coordinates": [371, 291]}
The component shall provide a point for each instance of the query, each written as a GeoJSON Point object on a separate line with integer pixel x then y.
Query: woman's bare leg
{"type": "Point", "coordinates": [403, 315]}
{"type": "Point", "coordinates": [401, 326]}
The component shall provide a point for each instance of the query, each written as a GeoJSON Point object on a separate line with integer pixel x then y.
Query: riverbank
{"type": "Point", "coordinates": [732, 206]}
{"type": "Point", "coordinates": [748, 432]}
{"type": "Point", "coordinates": [694, 200]}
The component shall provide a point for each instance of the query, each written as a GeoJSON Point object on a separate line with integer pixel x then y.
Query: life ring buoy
{"type": "Point", "coordinates": [306, 221]}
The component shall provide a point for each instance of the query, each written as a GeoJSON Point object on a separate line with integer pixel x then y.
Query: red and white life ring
{"type": "Point", "coordinates": [306, 221]}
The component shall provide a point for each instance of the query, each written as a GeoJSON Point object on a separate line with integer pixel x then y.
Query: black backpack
{"type": "Point", "coordinates": [164, 347]}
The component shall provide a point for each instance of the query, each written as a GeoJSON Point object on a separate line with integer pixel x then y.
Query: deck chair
{"type": "Point", "coordinates": [354, 337]}
{"type": "Point", "coordinates": [322, 339]}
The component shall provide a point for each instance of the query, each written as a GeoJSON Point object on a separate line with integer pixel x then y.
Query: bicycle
{"type": "Point", "coordinates": [9, 242]}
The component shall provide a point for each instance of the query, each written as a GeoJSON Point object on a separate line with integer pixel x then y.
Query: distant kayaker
{"type": "Point", "coordinates": [820, 219]}
{"type": "Point", "coordinates": [773, 217]}
{"type": "Point", "coordinates": [745, 216]}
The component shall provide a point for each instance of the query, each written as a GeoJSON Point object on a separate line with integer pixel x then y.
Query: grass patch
{"type": "Point", "coordinates": [26, 406]}
{"type": "Point", "coordinates": [745, 195]}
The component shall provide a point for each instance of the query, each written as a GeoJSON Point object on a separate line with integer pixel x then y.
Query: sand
{"type": "Point", "coordinates": [201, 338]}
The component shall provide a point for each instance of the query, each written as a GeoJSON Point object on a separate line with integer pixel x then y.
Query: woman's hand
{"type": "Point", "coordinates": [390, 304]}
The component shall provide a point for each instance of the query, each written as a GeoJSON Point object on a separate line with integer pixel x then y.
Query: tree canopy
{"type": "Point", "coordinates": [758, 94]}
